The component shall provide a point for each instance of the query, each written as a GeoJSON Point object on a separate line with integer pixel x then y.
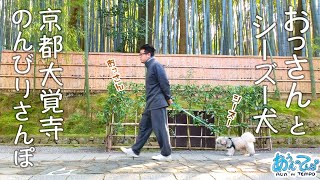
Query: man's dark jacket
{"type": "Point", "coordinates": [157, 85]}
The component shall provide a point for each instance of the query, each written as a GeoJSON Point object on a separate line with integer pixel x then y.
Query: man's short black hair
{"type": "Point", "coordinates": [148, 49]}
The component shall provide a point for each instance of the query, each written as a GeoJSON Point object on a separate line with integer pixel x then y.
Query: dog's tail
{"type": "Point", "coordinates": [248, 137]}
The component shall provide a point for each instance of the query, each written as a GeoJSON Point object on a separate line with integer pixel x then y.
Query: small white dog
{"type": "Point", "coordinates": [243, 144]}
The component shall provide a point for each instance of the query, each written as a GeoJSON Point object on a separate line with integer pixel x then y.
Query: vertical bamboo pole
{"type": "Point", "coordinates": [215, 144]}
{"type": "Point", "coordinates": [109, 134]}
{"type": "Point", "coordinates": [188, 134]}
{"type": "Point", "coordinates": [270, 140]}
{"type": "Point", "coordinates": [135, 126]}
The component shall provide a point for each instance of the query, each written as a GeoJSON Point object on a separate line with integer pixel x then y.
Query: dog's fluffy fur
{"type": "Point", "coordinates": [243, 144]}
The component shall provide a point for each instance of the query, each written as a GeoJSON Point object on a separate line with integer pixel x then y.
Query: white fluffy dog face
{"type": "Point", "coordinates": [221, 141]}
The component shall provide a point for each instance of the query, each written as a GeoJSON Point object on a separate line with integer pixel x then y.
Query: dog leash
{"type": "Point", "coordinates": [199, 120]}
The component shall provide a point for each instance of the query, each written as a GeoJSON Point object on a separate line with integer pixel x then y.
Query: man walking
{"type": "Point", "coordinates": [154, 117]}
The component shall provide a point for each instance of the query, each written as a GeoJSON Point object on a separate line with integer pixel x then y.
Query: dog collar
{"type": "Point", "coordinates": [232, 145]}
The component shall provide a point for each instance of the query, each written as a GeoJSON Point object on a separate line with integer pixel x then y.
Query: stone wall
{"type": "Point", "coordinates": [284, 123]}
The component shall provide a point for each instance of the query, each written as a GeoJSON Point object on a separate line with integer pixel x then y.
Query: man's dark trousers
{"type": "Point", "coordinates": [156, 120]}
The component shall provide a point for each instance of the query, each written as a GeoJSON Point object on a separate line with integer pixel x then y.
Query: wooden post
{"type": "Point", "coordinates": [270, 141]}
{"type": "Point", "coordinates": [188, 134]}
{"type": "Point", "coordinates": [216, 135]}
{"type": "Point", "coordinates": [109, 134]}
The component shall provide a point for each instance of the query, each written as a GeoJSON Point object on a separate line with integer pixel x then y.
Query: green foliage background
{"type": "Point", "coordinates": [128, 106]}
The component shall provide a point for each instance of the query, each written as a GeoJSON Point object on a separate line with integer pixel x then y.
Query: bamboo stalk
{"type": "Point", "coordinates": [270, 140]}
{"type": "Point", "coordinates": [135, 127]}
{"type": "Point", "coordinates": [110, 134]}
{"type": "Point", "coordinates": [188, 134]}
{"type": "Point", "coordinates": [201, 135]}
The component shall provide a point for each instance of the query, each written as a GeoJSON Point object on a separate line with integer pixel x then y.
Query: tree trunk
{"type": "Point", "coordinates": [141, 16]}
{"type": "Point", "coordinates": [165, 27]}
{"type": "Point", "coordinates": [157, 26]}
{"type": "Point", "coordinates": [186, 6]}
{"type": "Point", "coordinates": [224, 13]}
{"type": "Point", "coordinates": [108, 29]}
{"type": "Point", "coordinates": [247, 45]}
{"type": "Point", "coordinates": [231, 24]}
{"type": "Point", "coordinates": [217, 10]}
{"type": "Point", "coordinates": [254, 29]}
{"type": "Point", "coordinates": [150, 20]}
{"type": "Point", "coordinates": [1, 29]}
{"type": "Point", "coordinates": [120, 27]}
{"type": "Point", "coordinates": [97, 32]}
{"type": "Point", "coordinates": [8, 43]}
{"type": "Point", "coordinates": [204, 36]}
{"type": "Point", "coordinates": [170, 36]}
{"type": "Point", "coordinates": [102, 27]}
{"type": "Point", "coordinates": [115, 24]}
{"type": "Point", "coordinates": [310, 60]}
{"type": "Point", "coordinates": [182, 18]}
{"type": "Point", "coordinates": [14, 28]}
{"type": "Point", "coordinates": [298, 26]}
{"type": "Point", "coordinates": [135, 32]}
{"type": "Point", "coordinates": [270, 21]}
{"type": "Point", "coordinates": [192, 29]}
{"type": "Point", "coordinates": [240, 28]}
{"type": "Point", "coordinates": [175, 28]}
{"type": "Point", "coordinates": [86, 50]}
{"type": "Point", "coordinates": [91, 34]}
{"type": "Point", "coordinates": [75, 11]}
{"type": "Point", "coordinates": [209, 36]}
{"type": "Point", "coordinates": [285, 35]}
{"type": "Point", "coordinates": [195, 29]}
{"type": "Point", "coordinates": [315, 11]}
{"type": "Point", "coordinates": [279, 30]}
{"type": "Point", "coordinates": [42, 5]}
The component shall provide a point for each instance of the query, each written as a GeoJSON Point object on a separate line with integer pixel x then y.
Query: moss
{"type": "Point", "coordinates": [311, 112]}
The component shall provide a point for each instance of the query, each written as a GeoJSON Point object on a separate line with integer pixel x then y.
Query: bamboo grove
{"type": "Point", "coordinates": [219, 27]}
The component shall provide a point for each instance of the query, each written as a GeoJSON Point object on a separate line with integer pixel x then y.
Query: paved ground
{"type": "Point", "coordinates": [96, 164]}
